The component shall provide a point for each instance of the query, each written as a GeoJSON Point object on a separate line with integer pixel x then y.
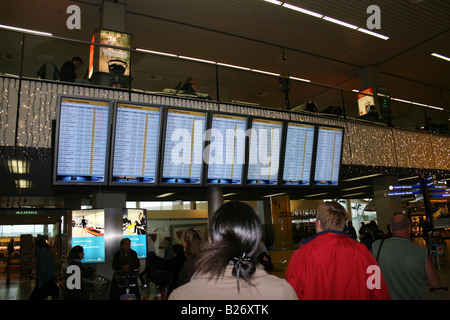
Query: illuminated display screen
{"type": "Point", "coordinates": [226, 151]}
{"type": "Point", "coordinates": [135, 229]}
{"type": "Point", "coordinates": [136, 144]}
{"type": "Point", "coordinates": [264, 152]}
{"type": "Point", "coordinates": [88, 231]}
{"type": "Point", "coordinates": [298, 154]}
{"type": "Point", "coordinates": [183, 147]}
{"type": "Point", "coordinates": [328, 155]}
{"type": "Point", "coordinates": [82, 141]}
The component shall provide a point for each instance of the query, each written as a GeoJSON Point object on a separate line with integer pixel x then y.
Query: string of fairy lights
{"type": "Point", "coordinates": [364, 144]}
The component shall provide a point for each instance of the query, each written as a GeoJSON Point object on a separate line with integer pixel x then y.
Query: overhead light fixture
{"type": "Point", "coordinates": [197, 59]}
{"type": "Point", "coordinates": [417, 103]}
{"type": "Point", "coordinates": [274, 194]}
{"type": "Point", "coordinates": [373, 33]}
{"type": "Point", "coordinates": [316, 195]}
{"type": "Point", "coordinates": [165, 195]}
{"type": "Point", "coordinates": [299, 79]}
{"type": "Point", "coordinates": [217, 63]}
{"type": "Point", "coordinates": [305, 11]}
{"type": "Point", "coordinates": [229, 194]}
{"type": "Point", "coordinates": [437, 55]}
{"type": "Point", "coordinates": [41, 33]}
{"type": "Point", "coordinates": [278, 3]}
{"type": "Point", "coordinates": [266, 72]}
{"type": "Point", "coordinates": [408, 178]}
{"type": "Point", "coordinates": [233, 66]}
{"type": "Point", "coordinates": [364, 177]}
{"type": "Point", "coordinates": [23, 184]}
{"type": "Point", "coordinates": [354, 188]}
{"type": "Point", "coordinates": [326, 18]}
{"type": "Point", "coordinates": [157, 52]}
{"type": "Point", "coordinates": [353, 194]}
{"type": "Point", "coordinates": [342, 23]}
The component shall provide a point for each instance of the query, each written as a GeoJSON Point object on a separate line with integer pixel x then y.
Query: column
{"type": "Point", "coordinates": [215, 200]}
{"type": "Point", "coordinates": [385, 206]}
{"type": "Point", "coordinates": [282, 223]}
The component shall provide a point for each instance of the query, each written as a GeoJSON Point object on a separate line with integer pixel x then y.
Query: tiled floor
{"type": "Point", "coordinates": [19, 289]}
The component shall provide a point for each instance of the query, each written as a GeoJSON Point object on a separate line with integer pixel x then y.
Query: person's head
{"type": "Point", "coordinates": [125, 244]}
{"type": "Point", "coordinates": [235, 233]}
{"type": "Point", "coordinates": [77, 61]}
{"type": "Point", "coordinates": [331, 216]}
{"type": "Point", "coordinates": [76, 252]}
{"type": "Point", "coordinates": [192, 242]}
{"type": "Point", "coordinates": [401, 226]}
{"type": "Point", "coordinates": [177, 250]}
{"type": "Point", "coordinates": [372, 225]}
{"type": "Point", "coordinates": [41, 242]}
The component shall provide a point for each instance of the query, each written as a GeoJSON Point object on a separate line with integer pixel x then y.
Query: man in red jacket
{"type": "Point", "coordinates": [331, 265]}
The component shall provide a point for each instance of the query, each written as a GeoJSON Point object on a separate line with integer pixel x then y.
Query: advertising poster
{"type": "Point", "coordinates": [134, 228]}
{"type": "Point", "coordinates": [365, 101]}
{"type": "Point", "coordinates": [88, 231]}
{"type": "Point", "coordinates": [117, 39]}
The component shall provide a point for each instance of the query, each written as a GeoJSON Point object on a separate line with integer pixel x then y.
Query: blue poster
{"type": "Point", "coordinates": [88, 231]}
{"type": "Point", "coordinates": [135, 229]}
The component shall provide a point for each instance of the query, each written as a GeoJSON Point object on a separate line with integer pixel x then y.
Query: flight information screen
{"type": "Point", "coordinates": [82, 141]}
{"type": "Point", "coordinates": [298, 154]}
{"type": "Point", "coordinates": [136, 144]}
{"type": "Point", "coordinates": [226, 151]}
{"type": "Point", "coordinates": [183, 147]}
{"type": "Point", "coordinates": [328, 156]}
{"type": "Point", "coordinates": [264, 152]}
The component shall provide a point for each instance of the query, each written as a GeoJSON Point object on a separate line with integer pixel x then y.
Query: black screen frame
{"type": "Point", "coordinates": [259, 182]}
{"type": "Point", "coordinates": [57, 141]}
{"type": "Point", "coordinates": [206, 166]}
{"type": "Point", "coordinates": [283, 153]}
{"type": "Point", "coordinates": [163, 181]}
{"type": "Point", "coordinates": [316, 152]}
{"type": "Point", "coordinates": [112, 182]}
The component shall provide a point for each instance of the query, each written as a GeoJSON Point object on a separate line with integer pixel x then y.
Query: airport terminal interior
{"type": "Point", "coordinates": [137, 118]}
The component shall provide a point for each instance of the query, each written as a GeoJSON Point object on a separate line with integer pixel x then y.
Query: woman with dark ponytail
{"type": "Point", "coordinates": [228, 268]}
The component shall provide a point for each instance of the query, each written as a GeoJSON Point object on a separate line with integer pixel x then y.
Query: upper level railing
{"type": "Point", "coordinates": [28, 103]}
{"type": "Point", "coordinates": [30, 56]}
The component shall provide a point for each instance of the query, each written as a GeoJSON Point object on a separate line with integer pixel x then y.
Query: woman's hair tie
{"type": "Point", "coordinates": [238, 261]}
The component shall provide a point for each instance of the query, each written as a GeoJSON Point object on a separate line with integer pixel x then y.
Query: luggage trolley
{"type": "Point", "coordinates": [161, 279]}
{"type": "Point", "coordinates": [127, 279]}
{"type": "Point", "coordinates": [97, 287]}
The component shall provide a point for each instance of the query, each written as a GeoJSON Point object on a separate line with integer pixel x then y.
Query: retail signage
{"type": "Point", "coordinates": [365, 100]}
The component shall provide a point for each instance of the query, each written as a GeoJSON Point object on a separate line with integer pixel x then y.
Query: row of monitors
{"type": "Point", "coordinates": [101, 142]}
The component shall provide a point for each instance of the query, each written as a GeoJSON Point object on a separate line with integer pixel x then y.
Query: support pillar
{"type": "Point", "coordinates": [113, 203]}
{"type": "Point", "coordinates": [282, 222]}
{"type": "Point", "coordinates": [215, 200]}
{"type": "Point", "coordinates": [386, 207]}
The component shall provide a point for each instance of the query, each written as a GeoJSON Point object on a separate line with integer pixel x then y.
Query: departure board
{"type": "Point", "coordinates": [82, 141]}
{"type": "Point", "coordinates": [264, 152]}
{"type": "Point", "coordinates": [183, 147]}
{"type": "Point", "coordinates": [226, 151]}
{"type": "Point", "coordinates": [298, 154]}
{"type": "Point", "coordinates": [135, 146]}
{"type": "Point", "coordinates": [328, 155]}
